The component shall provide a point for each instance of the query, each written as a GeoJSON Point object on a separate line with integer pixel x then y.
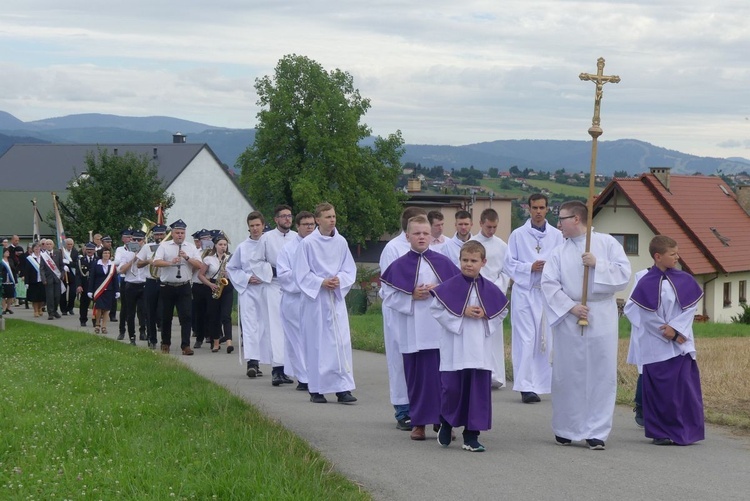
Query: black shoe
{"type": "Point", "coordinates": [404, 423]}
{"type": "Point", "coordinates": [71, 313]}
{"type": "Point", "coordinates": [50, 317]}
{"type": "Point", "coordinates": [595, 444]}
{"type": "Point", "coordinates": [121, 336]}
{"type": "Point", "coordinates": [65, 313]}
{"type": "Point", "coordinates": [143, 337]}
{"type": "Point", "coordinates": [472, 445]}
{"type": "Point", "coordinates": [230, 349]}
{"type": "Point", "coordinates": [152, 346]}
{"type": "Point", "coordinates": [252, 371]}
{"type": "Point", "coordinates": [301, 387]}
{"type": "Point", "coordinates": [529, 397]}
{"type": "Point", "coordinates": [444, 434]}
{"type": "Point", "coordinates": [562, 441]}
{"type": "Point", "coordinates": [258, 372]}
{"type": "Point", "coordinates": [83, 324]}
{"type": "Point", "coordinates": [276, 379]}
{"type": "Point", "coordinates": [198, 344]}
{"type": "Point", "coordinates": [317, 398]}
{"type": "Point", "coordinates": [662, 441]}
{"type": "Point", "coordinates": [346, 397]}
{"type": "Point", "coordinates": [286, 379]}
{"type": "Point", "coordinates": [57, 315]}
{"type": "Point", "coordinates": [132, 341]}
{"type": "Point", "coordinates": [638, 415]}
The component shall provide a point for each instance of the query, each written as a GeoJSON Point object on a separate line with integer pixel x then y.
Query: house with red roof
{"type": "Point", "coordinates": [707, 219]}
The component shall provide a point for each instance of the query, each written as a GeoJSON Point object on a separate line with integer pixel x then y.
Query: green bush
{"type": "Point", "coordinates": [744, 318]}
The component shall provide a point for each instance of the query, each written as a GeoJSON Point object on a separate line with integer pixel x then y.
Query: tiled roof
{"type": "Point", "coordinates": [701, 213]}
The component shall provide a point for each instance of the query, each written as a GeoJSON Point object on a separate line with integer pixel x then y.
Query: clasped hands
{"type": "Point", "coordinates": [474, 312]}
{"type": "Point", "coordinates": [331, 283]}
{"type": "Point", "coordinates": [669, 333]}
{"type": "Point", "coordinates": [422, 292]}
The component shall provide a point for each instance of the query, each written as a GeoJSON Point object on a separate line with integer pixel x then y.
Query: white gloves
{"type": "Point", "coordinates": [90, 295]}
{"type": "Point", "coordinates": [117, 295]}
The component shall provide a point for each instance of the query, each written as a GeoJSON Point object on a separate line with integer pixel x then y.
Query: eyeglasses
{"type": "Point", "coordinates": [564, 217]}
{"type": "Point", "coordinates": [307, 224]}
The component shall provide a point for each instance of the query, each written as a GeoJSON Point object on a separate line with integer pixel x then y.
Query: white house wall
{"type": "Point", "coordinates": [205, 197]}
{"type": "Point", "coordinates": [714, 296]}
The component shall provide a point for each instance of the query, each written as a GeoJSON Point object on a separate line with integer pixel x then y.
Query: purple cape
{"type": "Point", "coordinates": [454, 295]}
{"type": "Point", "coordinates": [402, 274]}
{"type": "Point", "coordinates": [647, 293]}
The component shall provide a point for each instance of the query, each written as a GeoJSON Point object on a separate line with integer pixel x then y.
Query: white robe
{"type": "Point", "coordinates": [452, 249]}
{"type": "Point", "coordinates": [247, 261]}
{"type": "Point", "coordinates": [493, 271]}
{"type": "Point", "coordinates": [273, 242]}
{"type": "Point", "coordinates": [422, 331]}
{"type": "Point", "coordinates": [584, 361]}
{"type": "Point", "coordinates": [531, 339]}
{"type": "Point", "coordinates": [294, 343]}
{"type": "Point", "coordinates": [393, 324]}
{"type": "Point", "coordinates": [650, 345]}
{"type": "Point", "coordinates": [466, 343]}
{"type": "Point", "coordinates": [326, 324]}
{"type": "Point", "coordinates": [633, 350]}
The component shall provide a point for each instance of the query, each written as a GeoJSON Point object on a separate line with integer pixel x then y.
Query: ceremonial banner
{"type": "Point", "coordinates": [36, 233]}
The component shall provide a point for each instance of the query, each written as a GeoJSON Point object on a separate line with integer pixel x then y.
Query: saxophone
{"type": "Point", "coordinates": [221, 281]}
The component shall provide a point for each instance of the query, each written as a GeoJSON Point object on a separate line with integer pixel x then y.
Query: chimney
{"type": "Point", "coordinates": [156, 154]}
{"type": "Point", "coordinates": [743, 197]}
{"type": "Point", "coordinates": [662, 174]}
{"type": "Point", "coordinates": [178, 138]}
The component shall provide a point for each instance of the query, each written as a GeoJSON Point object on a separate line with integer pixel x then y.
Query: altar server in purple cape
{"type": "Point", "coordinates": [470, 309]}
{"type": "Point", "coordinates": [407, 283]}
{"type": "Point", "coordinates": [661, 308]}
{"type": "Point", "coordinates": [394, 323]}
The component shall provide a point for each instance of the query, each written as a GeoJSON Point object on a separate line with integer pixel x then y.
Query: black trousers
{"type": "Point", "coordinates": [152, 307]}
{"type": "Point", "coordinates": [132, 303]}
{"type": "Point", "coordinates": [219, 315]}
{"type": "Point", "coordinates": [83, 308]}
{"type": "Point", "coordinates": [201, 297]}
{"type": "Point", "coordinates": [68, 298]}
{"type": "Point", "coordinates": [181, 298]}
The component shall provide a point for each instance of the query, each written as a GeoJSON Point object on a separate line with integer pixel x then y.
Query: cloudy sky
{"type": "Point", "coordinates": [443, 72]}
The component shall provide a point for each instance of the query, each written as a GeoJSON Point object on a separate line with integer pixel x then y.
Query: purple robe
{"type": "Point", "coordinates": [423, 386]}
{"type": "Point", "coordinates": [466, 399]}
{"type": "Point", "coordinates": [453, 294]}
{"type": "Point", "coordinates": [672, 400]}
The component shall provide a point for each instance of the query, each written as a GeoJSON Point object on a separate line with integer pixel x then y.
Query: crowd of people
{"type": "Point", "coordinates": [444, 301]}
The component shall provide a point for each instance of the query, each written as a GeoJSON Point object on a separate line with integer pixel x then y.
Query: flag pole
{"type": "Point", "coordinates": [594, 131]}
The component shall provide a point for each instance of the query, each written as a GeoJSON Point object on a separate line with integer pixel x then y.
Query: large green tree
{"type": "Point", "coordinates": [308, 150]}
{"type": "Point", "coordinates": [115, 192]}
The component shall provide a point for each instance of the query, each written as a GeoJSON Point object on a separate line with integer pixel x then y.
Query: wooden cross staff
{"type": "Point", "coordinates": [594, 131]}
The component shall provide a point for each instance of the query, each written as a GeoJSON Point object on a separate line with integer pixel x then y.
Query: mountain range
{"type": "Point", "coordinates": [629, 155]}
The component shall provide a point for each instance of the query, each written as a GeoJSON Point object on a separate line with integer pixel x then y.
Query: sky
{"type": "Point", "coordinates": [442, 72]}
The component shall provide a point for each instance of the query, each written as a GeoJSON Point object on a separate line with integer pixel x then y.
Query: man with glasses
{"type": "Point", "coordinates": [584, 361]}
{"type": "Point", "coordinates": [273, 241]}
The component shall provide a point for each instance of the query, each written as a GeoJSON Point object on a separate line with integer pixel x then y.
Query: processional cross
{"type": "Point", "coordinates": [594, 131]}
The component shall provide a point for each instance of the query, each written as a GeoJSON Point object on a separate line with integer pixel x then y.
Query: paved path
{"type": "Point", "coordinates": [521, 462]}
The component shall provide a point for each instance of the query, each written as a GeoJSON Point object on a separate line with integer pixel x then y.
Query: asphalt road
{"type": "Point", "coordinates": [521, 462]}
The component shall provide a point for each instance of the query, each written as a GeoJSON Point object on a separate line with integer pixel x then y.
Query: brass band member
{"type": "Point", "coordinates": [201, 292]}
{"type": "Point", "coordinates": [213, 274]}
{"type": "Point", "coordinates": [151, 290]}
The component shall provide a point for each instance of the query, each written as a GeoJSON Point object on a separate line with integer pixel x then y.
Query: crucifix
{"type": "Point", "coordinates": [538, 247]}
{"type": "Point", "coordinates": [594, 131]}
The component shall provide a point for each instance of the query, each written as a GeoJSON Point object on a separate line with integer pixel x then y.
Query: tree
{"type": "Point", "coordinates": [307, 150]}
{"type": "Point", "coordinates": [114, 193]}
{"type": "Point", "coordinates": [493, 172]}
{"type": "Point", "coordinates": [620, 173]}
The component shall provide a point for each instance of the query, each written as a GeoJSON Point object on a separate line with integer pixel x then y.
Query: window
{"type": "Point", "coordinates": [743, 291]}
{"type": "Point", "coordinates": [628, 242]}
{"type": "Point", "coordinates": [727, 294]}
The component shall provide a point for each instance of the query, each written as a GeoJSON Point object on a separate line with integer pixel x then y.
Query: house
{"type": "Point", "coordinates": [206, 195]}
{"type": "Point", "coordinates": [709, 222]}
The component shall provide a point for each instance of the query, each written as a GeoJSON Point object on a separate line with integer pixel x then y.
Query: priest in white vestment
{"type": "Point", "coordinates": [493, 271]}
{"type": "Point", "coordinates": [273, 241]}
{"type": "Point", "coordinates": [529, 248]}
{"type": "Point", "coordinates": [249, 272]}
{"type": "Point", "coordinates": [324, 270]}
{"type": "Point", "coordinates": [584, 361]}
{"type": "Point", "coordinates": [294, 343]}
{"type": "Point", "coordinates": [393, 324]}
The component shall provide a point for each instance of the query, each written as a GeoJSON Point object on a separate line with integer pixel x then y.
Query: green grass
{"type": "Point", "coordinates": [86, 417]}
{"type": "Point", "coordinates": [565, 190]}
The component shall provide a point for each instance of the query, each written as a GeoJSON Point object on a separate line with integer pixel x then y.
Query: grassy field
{"type": "Point", "coordinates": [85, 418]}
{"type": "Point", "coordinates": [723, 358]}
{"type": "Point", "coordinates": [562, 189]}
